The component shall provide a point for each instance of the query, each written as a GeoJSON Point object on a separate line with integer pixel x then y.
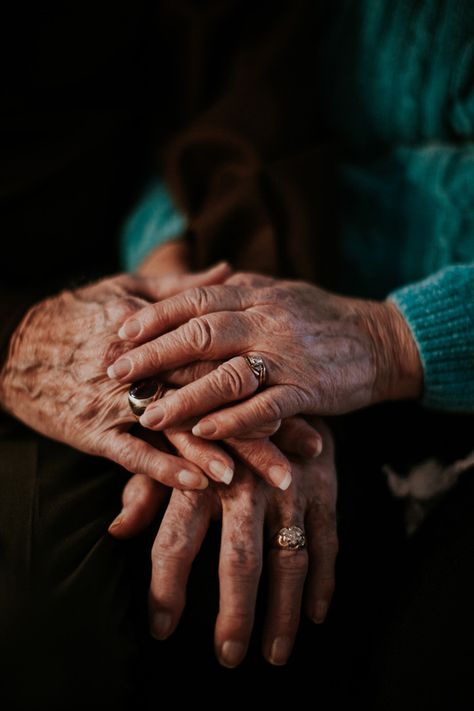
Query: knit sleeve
{"type": "Point", "coordinates": [154, 221]}
{"type": "Point", "coordinates": [440, 313]}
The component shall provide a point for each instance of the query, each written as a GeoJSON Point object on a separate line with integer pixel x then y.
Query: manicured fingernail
{"type": "Point", "coordinates": [131, 329]}
{"type": "Point", "coordinates": [152, 416]}
{"type": "Point", "coordinates": [116, 522]}
{"type": "Point", "coordinates": [319, 613]}
{"type": "Point", "coordinates": [232, 653]}
{"type": "Point", "coordinates": [220, 470]}
{"type": "Point", "coordinates": [280, 476]}
{"type": "Point", "coordinates": [204, 429]}
{"type": "Point", "coordinates": [161, 625]}
{"type": "Point", "coordinates": [120, 369]}
{"type": "Point", "coordinates": [281, 649]}
{"type": "Point", "coordinates": [192, 480]}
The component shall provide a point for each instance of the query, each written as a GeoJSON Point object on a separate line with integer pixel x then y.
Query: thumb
{"type": "Point", "coordinates": [142, 499]}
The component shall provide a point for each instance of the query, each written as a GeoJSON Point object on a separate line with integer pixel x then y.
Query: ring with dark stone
{"type": "Point", "coordinates": [143, 393]}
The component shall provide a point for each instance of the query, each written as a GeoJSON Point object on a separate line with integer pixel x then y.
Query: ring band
{"type": "Point", "coordinates": [290, 538]}
{"type": "Point", "coordinates": [143, 393]}
{"type": "Point", "coordinates": [258, 368]}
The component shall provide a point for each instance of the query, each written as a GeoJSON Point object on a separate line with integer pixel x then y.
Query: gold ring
{"type": "Point", "coordinates": [143, 393]}
{"type": "Point", "coordinates": [258, 368]}
{"type": "Point", "coordinates": [290, 538]}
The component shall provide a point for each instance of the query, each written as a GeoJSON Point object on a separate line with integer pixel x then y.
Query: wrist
{"type": "Point", "coordinates": [398, 367]}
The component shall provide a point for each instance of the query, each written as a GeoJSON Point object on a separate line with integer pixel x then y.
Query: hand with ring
{"type": "Point", "coordinates": [322, 353]}
{"type": "Point", "coordinates": [293, 533]}
{"type": "Point", "coordinates": [54, 379]}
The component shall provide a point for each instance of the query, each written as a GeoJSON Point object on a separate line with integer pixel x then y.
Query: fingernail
{"type": "Point", "coordinates": [116, 522]}
{"type": "Point", "coordinates": [319, 614]}
{"type": "Point", "coordinates": [281, 649]}
{"type": "Point", "coordinates": [204, 429]}
{"type": "Point", "coordinates": [152, 417]}
{"type": "Point", "coordinates": [312, 448]}
{"type": "Point", "coordinates": [161, 625]}
{"type": "Point", "coordinates": [131, 329]}
{"type": "Point", "coordinates": [223, 472]}
{"type": "Point", "coordinates": [280, 476]}
{"type": "Point", "coordinates": [192, 480]}
{"type": "Point", "coordinates": [232, 653]}
{"type": "Point", "coordinates": [119, 369]}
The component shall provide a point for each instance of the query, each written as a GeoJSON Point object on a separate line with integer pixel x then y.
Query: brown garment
{"type": "Point", "coordinates": [249, 171]}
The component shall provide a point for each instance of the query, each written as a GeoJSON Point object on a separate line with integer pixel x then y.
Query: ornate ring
{"type": "Point", "coordinates": [142, 394]}
{"type": "Point", "coordinates": [258, 368]}
{"type": "Point", "coordinates": [291, 538]}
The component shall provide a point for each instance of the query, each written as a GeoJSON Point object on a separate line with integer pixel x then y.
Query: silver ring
{"type": "Point", "coordinates": [290, 538]}
{"type": "Point", "coordinates": [143, 393]}
{"type": "Point", "coordinates": [258, 368]}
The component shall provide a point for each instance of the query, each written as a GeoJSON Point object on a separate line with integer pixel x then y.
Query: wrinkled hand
{"type": "Point", "coordinates": [246, 507]}
{"type": "Point", "coordinates": [54, 378]}
{"type": "Point", "coordinates": [325, 354]}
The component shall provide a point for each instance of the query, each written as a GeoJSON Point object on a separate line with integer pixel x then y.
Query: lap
{"type": "Point", "coordinates": [73, 600]}
{"type": "Point", "coordinates": [69, 621]}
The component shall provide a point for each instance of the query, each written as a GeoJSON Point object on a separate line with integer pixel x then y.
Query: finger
{"type": "Point", "coordinates": [250, 279]}
{"type": "Point", "coordinates": [267, 429]}
{"type": "Point", "coordinates": [210, 458]}
{"type": "Point", "coordinates": [240, 566]}
{"type": "Point", "coordinates": [265, 459]}
{"type": "Point", "coordinates": [157, 318]}
{"type": "Point", "coordinates": [233, 380]}
{"type": "Point", "coordinates": [177, 543]}
{"type": "Point", "coordinates": [163, 287]}
{"type": "Point", "coordinates": [275, 403]}
{"type": "Point", "coordinates": [287, 575]}
{"type": "Point", "coordinates": [139, 457]}
{"type": "Point", "coordinates": [296, 436]}
{"type": "Point", "coordinates": [177, 377]}
{"type": "Point", "coordinates": [142, 499]}
{"type": "Point", "coordinates": [216, 336]}
{"type": "Point", "coordinates": [171, 284]}
{"type": "Point", "coordinates": [323, 549]}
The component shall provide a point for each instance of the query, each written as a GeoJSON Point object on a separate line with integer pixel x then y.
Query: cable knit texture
{"type": "Point", "coordinates": [440, 313]}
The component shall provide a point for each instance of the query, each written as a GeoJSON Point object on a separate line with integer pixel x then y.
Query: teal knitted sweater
{"type": "Point", "coordinates": [406, 175]}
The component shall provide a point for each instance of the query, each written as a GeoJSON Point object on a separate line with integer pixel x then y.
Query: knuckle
{"type": "Point", "coordinates": [198, 297]}
{"type": "Point", "coordinates": [293, 564]}
{"type": "Point", "coordinates": [146, 356]}
{"type": "Point", "coordinates": [229, 382]}
{"type": "Point", "coordinates": [119, 309]}
{"type": "Point", "coordinates": [243, 563]}
{"type": "Point", "coordinates": [171, 547]}
{"type": "Point", "coordinates": [270, 410]}
{"type": "Point", "coordinates": [286, 617]}
{"type": "Point", "coordinates": [200, 334]}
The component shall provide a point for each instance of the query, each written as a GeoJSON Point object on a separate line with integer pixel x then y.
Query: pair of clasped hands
{"type": "Point", "coordinates": [227, 451]}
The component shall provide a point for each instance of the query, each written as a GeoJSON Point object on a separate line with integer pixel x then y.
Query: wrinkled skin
{"type": "Point", "coordinates": [325, 354]}
{"type": "Point", "coordinates": [54, 380]}
{"type": "Point", "coordinates": [251, 513]}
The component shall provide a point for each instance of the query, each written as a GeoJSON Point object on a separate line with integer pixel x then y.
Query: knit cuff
{"type": "Point", "coordinates": [154, 221]}
{"type": "Point", "coordinates": [440, 313]}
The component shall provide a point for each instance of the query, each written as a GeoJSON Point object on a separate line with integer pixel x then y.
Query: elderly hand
{"type": "Point", "coordinates": [325, 354]}
{"type": "Point", "coordinates": [54, 379]}
{"type": "Point", "coordinates": [246, 506]}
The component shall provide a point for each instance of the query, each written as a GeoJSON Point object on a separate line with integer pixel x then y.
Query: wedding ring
{"type": "Point", "coordinates": [290, 538]}
{"type": "Point", "coordinates": [258, 368]}
{"type": "Point", "coordinates": [143, 393]}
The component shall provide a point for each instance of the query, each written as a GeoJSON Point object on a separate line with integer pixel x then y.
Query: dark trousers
{"type": "Point", "coordinates": [73, 627]}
